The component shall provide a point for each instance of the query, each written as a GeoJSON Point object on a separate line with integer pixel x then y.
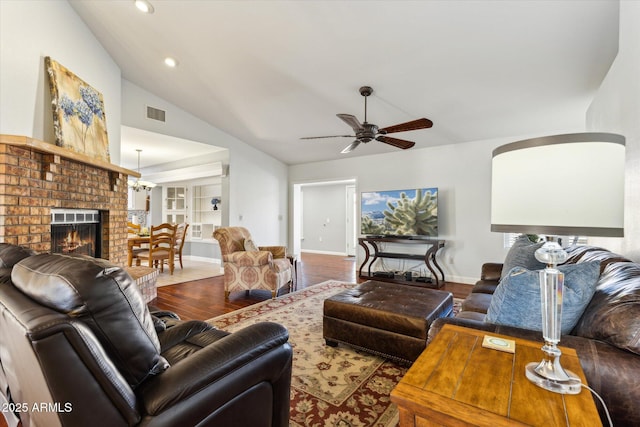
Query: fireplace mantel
{"type": "Point", "coordinates": [48, 148]}
{"type": "Point", "coordinates": [36, 176]}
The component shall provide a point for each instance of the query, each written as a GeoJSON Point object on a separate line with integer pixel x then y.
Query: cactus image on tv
{"type": "Point", "coordinates": [400, 213]}
{"type": "Point", "coordinates": [369, 226]}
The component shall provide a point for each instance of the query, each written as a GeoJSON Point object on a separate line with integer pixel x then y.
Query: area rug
{"type": "Point", "coordinates": [330, 386]}
{"type": "Point", "coordinates": [193, 270]}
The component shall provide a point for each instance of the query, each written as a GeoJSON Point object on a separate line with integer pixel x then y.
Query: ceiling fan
{"type": "Point", "coordinates": [366, 132]}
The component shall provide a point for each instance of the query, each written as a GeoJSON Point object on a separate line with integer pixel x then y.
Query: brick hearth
{"type": "Point", "coordinates": [36, 176]}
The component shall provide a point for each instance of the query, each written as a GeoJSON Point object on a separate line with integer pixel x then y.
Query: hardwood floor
{"type": "Point", "coordinates": [204, 299]}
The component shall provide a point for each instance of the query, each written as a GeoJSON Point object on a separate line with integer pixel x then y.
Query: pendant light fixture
{"type": "Point", "coordinates": [139, 184]}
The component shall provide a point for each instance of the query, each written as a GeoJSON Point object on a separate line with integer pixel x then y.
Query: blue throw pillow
{"type": "Point", "coordinates": [516, 301]}
{"type": "Point", "coordinates": [522, 254]}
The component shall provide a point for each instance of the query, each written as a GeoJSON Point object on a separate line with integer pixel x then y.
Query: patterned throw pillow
{"type": "Point", "coordinates": [250, 246]}
{"type": "Point", "coordinates": [516, 301]}
{"type": "Point", "coordinates": [522, 254]}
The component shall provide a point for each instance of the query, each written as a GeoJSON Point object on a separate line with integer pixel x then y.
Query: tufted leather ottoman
{"type": "Point", "coordinates": [388, 319]}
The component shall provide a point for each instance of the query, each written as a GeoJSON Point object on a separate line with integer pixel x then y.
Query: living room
{"type": "Point", "coordinates": [260, 186]}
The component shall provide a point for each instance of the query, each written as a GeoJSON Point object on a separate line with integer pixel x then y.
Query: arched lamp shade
{"type": "Point", "coordinates": [570, 185]}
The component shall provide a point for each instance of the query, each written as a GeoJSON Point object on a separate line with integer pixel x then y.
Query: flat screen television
{"type": "Point", "coordinates": [400, 213]}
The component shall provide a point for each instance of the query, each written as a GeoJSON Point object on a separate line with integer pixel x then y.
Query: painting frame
{"type": "Point", "coordinates": [79, 119]}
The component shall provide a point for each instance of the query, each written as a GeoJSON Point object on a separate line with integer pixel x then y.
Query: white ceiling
{"type": "Point", "coordinates": [270, 72]}
{"type": "Point", "coordinates": [157, 149]}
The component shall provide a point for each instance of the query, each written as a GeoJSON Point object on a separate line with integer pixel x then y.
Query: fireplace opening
{"type": "Point", "coordinates": [76, 231]}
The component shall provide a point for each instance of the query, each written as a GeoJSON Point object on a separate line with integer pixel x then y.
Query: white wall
{"type": "Point", "coordinates": [255, 191]}
{"type": "Point", "coordinates": [462, 173]}
{"type": "Point", "coordinates": [324, 217]}
{"type": "Point", "coordinates": [616, 108]}
{"type": "Point", "coordinates": [32, 30]}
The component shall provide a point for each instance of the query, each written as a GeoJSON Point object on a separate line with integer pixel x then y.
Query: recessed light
{"type": "Point", "coordinates": [144, 6]}
{"type": "Point", "coordinates": [170, 62]}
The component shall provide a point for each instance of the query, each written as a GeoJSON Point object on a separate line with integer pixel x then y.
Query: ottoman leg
{"type": "Point", "coordinates": [331, 343]}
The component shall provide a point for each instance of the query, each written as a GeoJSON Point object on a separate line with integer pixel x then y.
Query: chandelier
{"type": "Point", "coordinates": [139, 184]}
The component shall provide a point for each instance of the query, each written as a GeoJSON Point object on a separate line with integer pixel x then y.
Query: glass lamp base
{"type": "Point", "coordinates": [570, 385]}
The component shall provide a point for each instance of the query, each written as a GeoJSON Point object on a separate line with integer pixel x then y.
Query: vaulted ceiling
{"type": "Point", "coordinates": [271, 72]}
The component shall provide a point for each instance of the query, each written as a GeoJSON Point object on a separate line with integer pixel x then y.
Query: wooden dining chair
{"type": "Point", "coordinates": [161, 247]}
{"type": "Point", "coordinates": [181, 236]}
{"type": "Point", "coordinates": [132, 231]}
{"type": "Point", "coordinates": [133, 228]}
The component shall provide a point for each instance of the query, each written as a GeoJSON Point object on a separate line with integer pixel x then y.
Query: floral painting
{"type": "Point", "coordinates": [78, 113]}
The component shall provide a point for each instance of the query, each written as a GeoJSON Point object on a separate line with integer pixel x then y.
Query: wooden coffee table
{"type": "Point", "coordinates": [457, 382]}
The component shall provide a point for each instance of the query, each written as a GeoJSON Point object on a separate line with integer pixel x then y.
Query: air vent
{"type": "Point", "coordinates": [156, 114]}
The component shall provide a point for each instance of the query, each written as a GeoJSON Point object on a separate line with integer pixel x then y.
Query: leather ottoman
{"type": "Point", "coordinates": [387, 319]}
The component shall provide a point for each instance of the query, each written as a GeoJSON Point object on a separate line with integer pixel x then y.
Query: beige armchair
{"type": "Point", "coordinates": [247, 267]}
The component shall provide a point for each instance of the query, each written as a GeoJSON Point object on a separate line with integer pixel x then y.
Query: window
{"type": "Point", "coordinates": [175, 207]}
{"type": "Point", "coordinates": [509, 238]}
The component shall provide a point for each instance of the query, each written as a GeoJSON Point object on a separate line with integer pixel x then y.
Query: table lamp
{"type": "Point", "coordinates": [560, 185]}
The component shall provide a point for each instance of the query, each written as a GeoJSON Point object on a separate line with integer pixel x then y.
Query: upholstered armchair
{"type": "Point", "coordinates": [248, 267]}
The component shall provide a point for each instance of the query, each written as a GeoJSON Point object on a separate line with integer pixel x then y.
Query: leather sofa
{"type": "Point", "coordinates": [78, 347]}
{"type": "Point", "coordinates": [606, 338]}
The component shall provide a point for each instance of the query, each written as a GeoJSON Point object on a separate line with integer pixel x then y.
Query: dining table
{"type": "Point", "coordinates": [133, 241]}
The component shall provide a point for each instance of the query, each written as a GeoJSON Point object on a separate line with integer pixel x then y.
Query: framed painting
{"type": "Point", "coordinates": [79, 118]}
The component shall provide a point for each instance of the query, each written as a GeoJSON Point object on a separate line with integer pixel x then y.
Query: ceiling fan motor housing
{"type": "Point", "coordinates": [366, 90]}
{"type": "Point", "coordinates": [367, 132]}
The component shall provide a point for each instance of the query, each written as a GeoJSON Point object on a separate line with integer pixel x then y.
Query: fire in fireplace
{"type": "Point", "coordinates": [76, 231]}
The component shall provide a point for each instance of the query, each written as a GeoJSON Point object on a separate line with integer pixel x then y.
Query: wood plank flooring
{"type": "Point", "coordinates": [204, 299]}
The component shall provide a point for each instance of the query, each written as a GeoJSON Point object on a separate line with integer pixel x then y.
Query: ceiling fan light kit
{"type": "Point", "coordinates": [366, 132]}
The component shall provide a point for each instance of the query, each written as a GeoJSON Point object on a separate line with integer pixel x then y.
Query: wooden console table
{"type": "Point", "coordinates": [372, 244]}
{"type": "Point", "coordinates": [458, 382]}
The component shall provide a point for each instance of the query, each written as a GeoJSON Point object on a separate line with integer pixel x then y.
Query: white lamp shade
{"type": "Point", "coordinates": [569, 184]}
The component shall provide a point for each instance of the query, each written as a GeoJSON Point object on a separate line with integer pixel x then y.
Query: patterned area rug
{"type": "Point", "coordinates": [329, 386]}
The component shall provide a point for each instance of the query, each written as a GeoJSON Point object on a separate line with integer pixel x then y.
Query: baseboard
{"type": "Point", "coordinates": [203, 259]}
{"type": "Point", "coordinates": [311, 251]}
{"type": "Point", "coordinates": [461, 279]}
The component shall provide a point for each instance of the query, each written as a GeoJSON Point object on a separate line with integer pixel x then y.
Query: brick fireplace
{"type": "Point", "coordinates": [36, 177]}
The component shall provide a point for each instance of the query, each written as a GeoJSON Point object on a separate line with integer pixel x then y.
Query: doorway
{"type": "Point", "coordinates": [348, 200]}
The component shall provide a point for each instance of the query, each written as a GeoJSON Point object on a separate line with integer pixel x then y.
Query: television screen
{"type": "Point", "coordinates": [405, 213]}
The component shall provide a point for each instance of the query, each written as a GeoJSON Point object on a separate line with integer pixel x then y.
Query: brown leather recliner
{"type": "Point", "coordinates": [79, 347]}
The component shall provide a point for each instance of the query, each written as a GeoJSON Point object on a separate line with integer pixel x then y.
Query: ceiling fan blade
{"type": "Point", "coordinates": [412, 125]}
{"type": "Point", "coordinates": [351, 121]}
{"type": "Point", "coordinates": [330, 136]}
{"type": "Point", "coordinates": [351, 147]}
{"type": "Point", "coordinates": [400, 143]}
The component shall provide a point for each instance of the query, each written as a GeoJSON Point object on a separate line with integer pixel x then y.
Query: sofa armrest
{"type": "Point", "coordinates": [219, 372]}
{"type": "Point", "coordinates": [491, 271]}
{"type": "Point", "coordinates": [277, 251]}
{"type": "Point", "coordinates": [249, 258]}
